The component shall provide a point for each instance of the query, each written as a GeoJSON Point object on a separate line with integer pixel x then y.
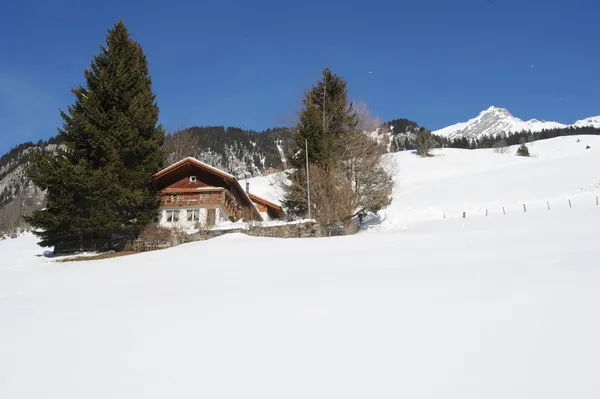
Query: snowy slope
{"type": "Point", "coordinates": [421, 307]}
{"type": "Point", "coordinates": [456, 181]}
{"type": "Point", "coordinates": [497, 121]}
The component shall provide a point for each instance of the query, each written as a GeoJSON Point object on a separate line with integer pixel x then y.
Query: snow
{"type": "Point", "coordinates": [457, 181]}
{"type": "Point", "coordinates": [268, 187]}
{"type": "Point", "coordinates": [494, 121]}
{"type": "Point", "coordinates": [419, 307]}
{"type": "Point", "coordinates": [593, 121]}
{"type": "Point", "coordinates": [281, 153]}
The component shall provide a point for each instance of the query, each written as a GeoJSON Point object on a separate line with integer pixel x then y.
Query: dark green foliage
{"type": "Point", "coordinates": [219, 140]}
{"type": "Point", "coordinates": [103, 184]}
{"type": "Point", "coordinates": [424, 142]}
{"type": "Point", "coordinates": [523, 151]}
{"type": "Point", "coordinates": [403, 126]}
{"type": "Point", "coordinates": [326, 119]}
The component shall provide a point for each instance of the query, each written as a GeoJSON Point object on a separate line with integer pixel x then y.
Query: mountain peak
{"type": "Point", "coordinates": [495, 121]}
{"type": "Point", "coordinates": [497, 111]}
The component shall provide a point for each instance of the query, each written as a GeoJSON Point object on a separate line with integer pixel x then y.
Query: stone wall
{"type": "Point", "coordinates": [292, 230]}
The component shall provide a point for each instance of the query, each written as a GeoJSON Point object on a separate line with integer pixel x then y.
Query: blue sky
{"type": "Point", "coordinates": [247, 63]}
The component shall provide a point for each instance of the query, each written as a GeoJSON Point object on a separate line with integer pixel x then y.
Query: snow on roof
{"type": "Point", "coordinates": [199, 163]}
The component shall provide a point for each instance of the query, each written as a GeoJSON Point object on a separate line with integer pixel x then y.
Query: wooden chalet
{"type": "Point", "coordinates": [193, 192]}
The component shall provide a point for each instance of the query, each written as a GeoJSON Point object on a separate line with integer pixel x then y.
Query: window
{"type": "Point", "coordinates": [193, 215]}
{"type": "Point", "coordinates": [172, 216]}
{"type": "Point", "coordinates": [192, 179]}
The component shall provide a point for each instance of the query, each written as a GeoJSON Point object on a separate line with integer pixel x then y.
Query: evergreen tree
{"type": "Point", "coordinates": [347, 175]}
{"type": "Point", "coordinates": [103, 184]}
{"type": "Point", "coordinates": [327, 117]}
{"type": "Point", "coordinates": [523, 151]}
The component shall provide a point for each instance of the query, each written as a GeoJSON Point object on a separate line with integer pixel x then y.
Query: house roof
{"type": "Point", "coordinates": [276, 208]}
{"type": "Point", "coordinates": [217, 172]}
{"type": "Point", "coordinates": [196, 162]}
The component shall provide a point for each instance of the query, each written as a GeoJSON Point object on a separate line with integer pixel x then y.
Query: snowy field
{"type": "Point", "coordinates": [504, 306]}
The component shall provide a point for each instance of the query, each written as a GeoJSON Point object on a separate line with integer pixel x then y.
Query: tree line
{"type": "Point", "coordinates": [514, 138]}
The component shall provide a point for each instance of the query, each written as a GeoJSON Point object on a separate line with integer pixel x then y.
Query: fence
{"type": "Point", "coordinates": [523, 207]}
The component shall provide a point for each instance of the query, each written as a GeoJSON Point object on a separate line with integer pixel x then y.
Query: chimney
{"type": "Point", "coordinates": [247, 187]}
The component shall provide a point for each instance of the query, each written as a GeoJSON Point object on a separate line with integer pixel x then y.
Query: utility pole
{"type": "Point", "coordinates": [307, 179]}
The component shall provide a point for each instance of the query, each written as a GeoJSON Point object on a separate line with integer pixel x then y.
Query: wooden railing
{"type": "Point", "coordinates": [222, 198]}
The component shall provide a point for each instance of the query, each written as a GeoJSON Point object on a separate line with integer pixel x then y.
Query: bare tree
{"type": "Point", "coordinates": [424, 142]}
{"type": "Point", "coordinates": [360, 183]}
{"type": "Point", "coordinates": [181, 144]}
{"type": "Point", "coordinates": [333, 198]}
{"type": "Point", "coordinates": [501, 147]}
{"type": "Point", "coordinates": [366, 121]}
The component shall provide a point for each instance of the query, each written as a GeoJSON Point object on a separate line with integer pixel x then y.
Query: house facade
{"type": "Point", "coordinates": [193, 193]}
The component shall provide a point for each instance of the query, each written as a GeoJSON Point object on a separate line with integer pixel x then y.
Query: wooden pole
{"type": "Point", "coordinates": [570, 206]}
{"type": "Point", "coordinates": [464, 215]}
{"type": "Point", "coordinates": [503, 211]}
{"type": "Point", "coordinates": [486, 212]}
{"type": "Point", "coordinates": [307, 180]}
{"type": "Point", "coordinates": [524, 208]}
{"type": "Point", "coordinates": [548, 202]}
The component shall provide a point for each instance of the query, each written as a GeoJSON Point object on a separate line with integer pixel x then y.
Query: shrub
{"type": "Point", "coordinates": [523, 151]}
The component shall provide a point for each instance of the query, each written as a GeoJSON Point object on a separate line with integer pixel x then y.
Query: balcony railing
{"type": "Point", "coordinates": [222, 198]}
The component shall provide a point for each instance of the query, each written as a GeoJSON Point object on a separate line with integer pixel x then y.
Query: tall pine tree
{"type": "Point", "coordinates": [102, 185]}
{"type": "Point", "coordinates": [325, 121]}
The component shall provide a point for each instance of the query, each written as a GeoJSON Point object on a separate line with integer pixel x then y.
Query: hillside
{"type": "Point", "coordinates": [243, 153]}
{"type": "Point", "coordinates": [456, 181]}
{"type": "Point", "coordinates": [418, 306]}
{"type": "Point", "coordinates": [247, 153]}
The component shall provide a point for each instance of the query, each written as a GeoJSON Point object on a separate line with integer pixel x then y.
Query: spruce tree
{"type": "Point", "coordinates": [326, 119]}
{"type": "Point", "coordinates": [102, 184]}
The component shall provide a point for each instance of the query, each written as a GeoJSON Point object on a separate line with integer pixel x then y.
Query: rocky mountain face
{"type": "Point", "coordinates": [396, 135]}
{"type": "Point", "coordinates": [243, 153]}
{"type": "Point", "coordinates": [18, 195]}
{"type": "Point", "coordinates": [495, 122]}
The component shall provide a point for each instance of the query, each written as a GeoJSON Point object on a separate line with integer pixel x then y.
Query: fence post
{"type": "Point", "coordinates": [548, 202]}
{"type": "Point", "coordinates": [503, 211]}
{"type": "Point", "coordinates": [524, 208]}
{"type": "Point", "coordinates": [464, 215]}
{"type": "Point", "coordinates": [486, 212]}
{"type": "Point", "coordinates": [570, 206]}
{"type": "Point", "coordinates": [596, 200]}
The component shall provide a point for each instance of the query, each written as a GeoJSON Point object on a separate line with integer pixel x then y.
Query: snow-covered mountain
{"type": "Point", "coordinates": [593, 121]}
{"type": "Point", "coordinates": [498, 121]}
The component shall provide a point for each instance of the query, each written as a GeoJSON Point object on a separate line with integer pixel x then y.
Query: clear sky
{"type": "Point", "coordinates": [247, 63]}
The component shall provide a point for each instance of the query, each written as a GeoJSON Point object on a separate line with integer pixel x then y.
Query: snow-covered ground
{"type": "Point", "coordinates": [419, 306]}
{"type": "Point", "coordinates": [457, 181]}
